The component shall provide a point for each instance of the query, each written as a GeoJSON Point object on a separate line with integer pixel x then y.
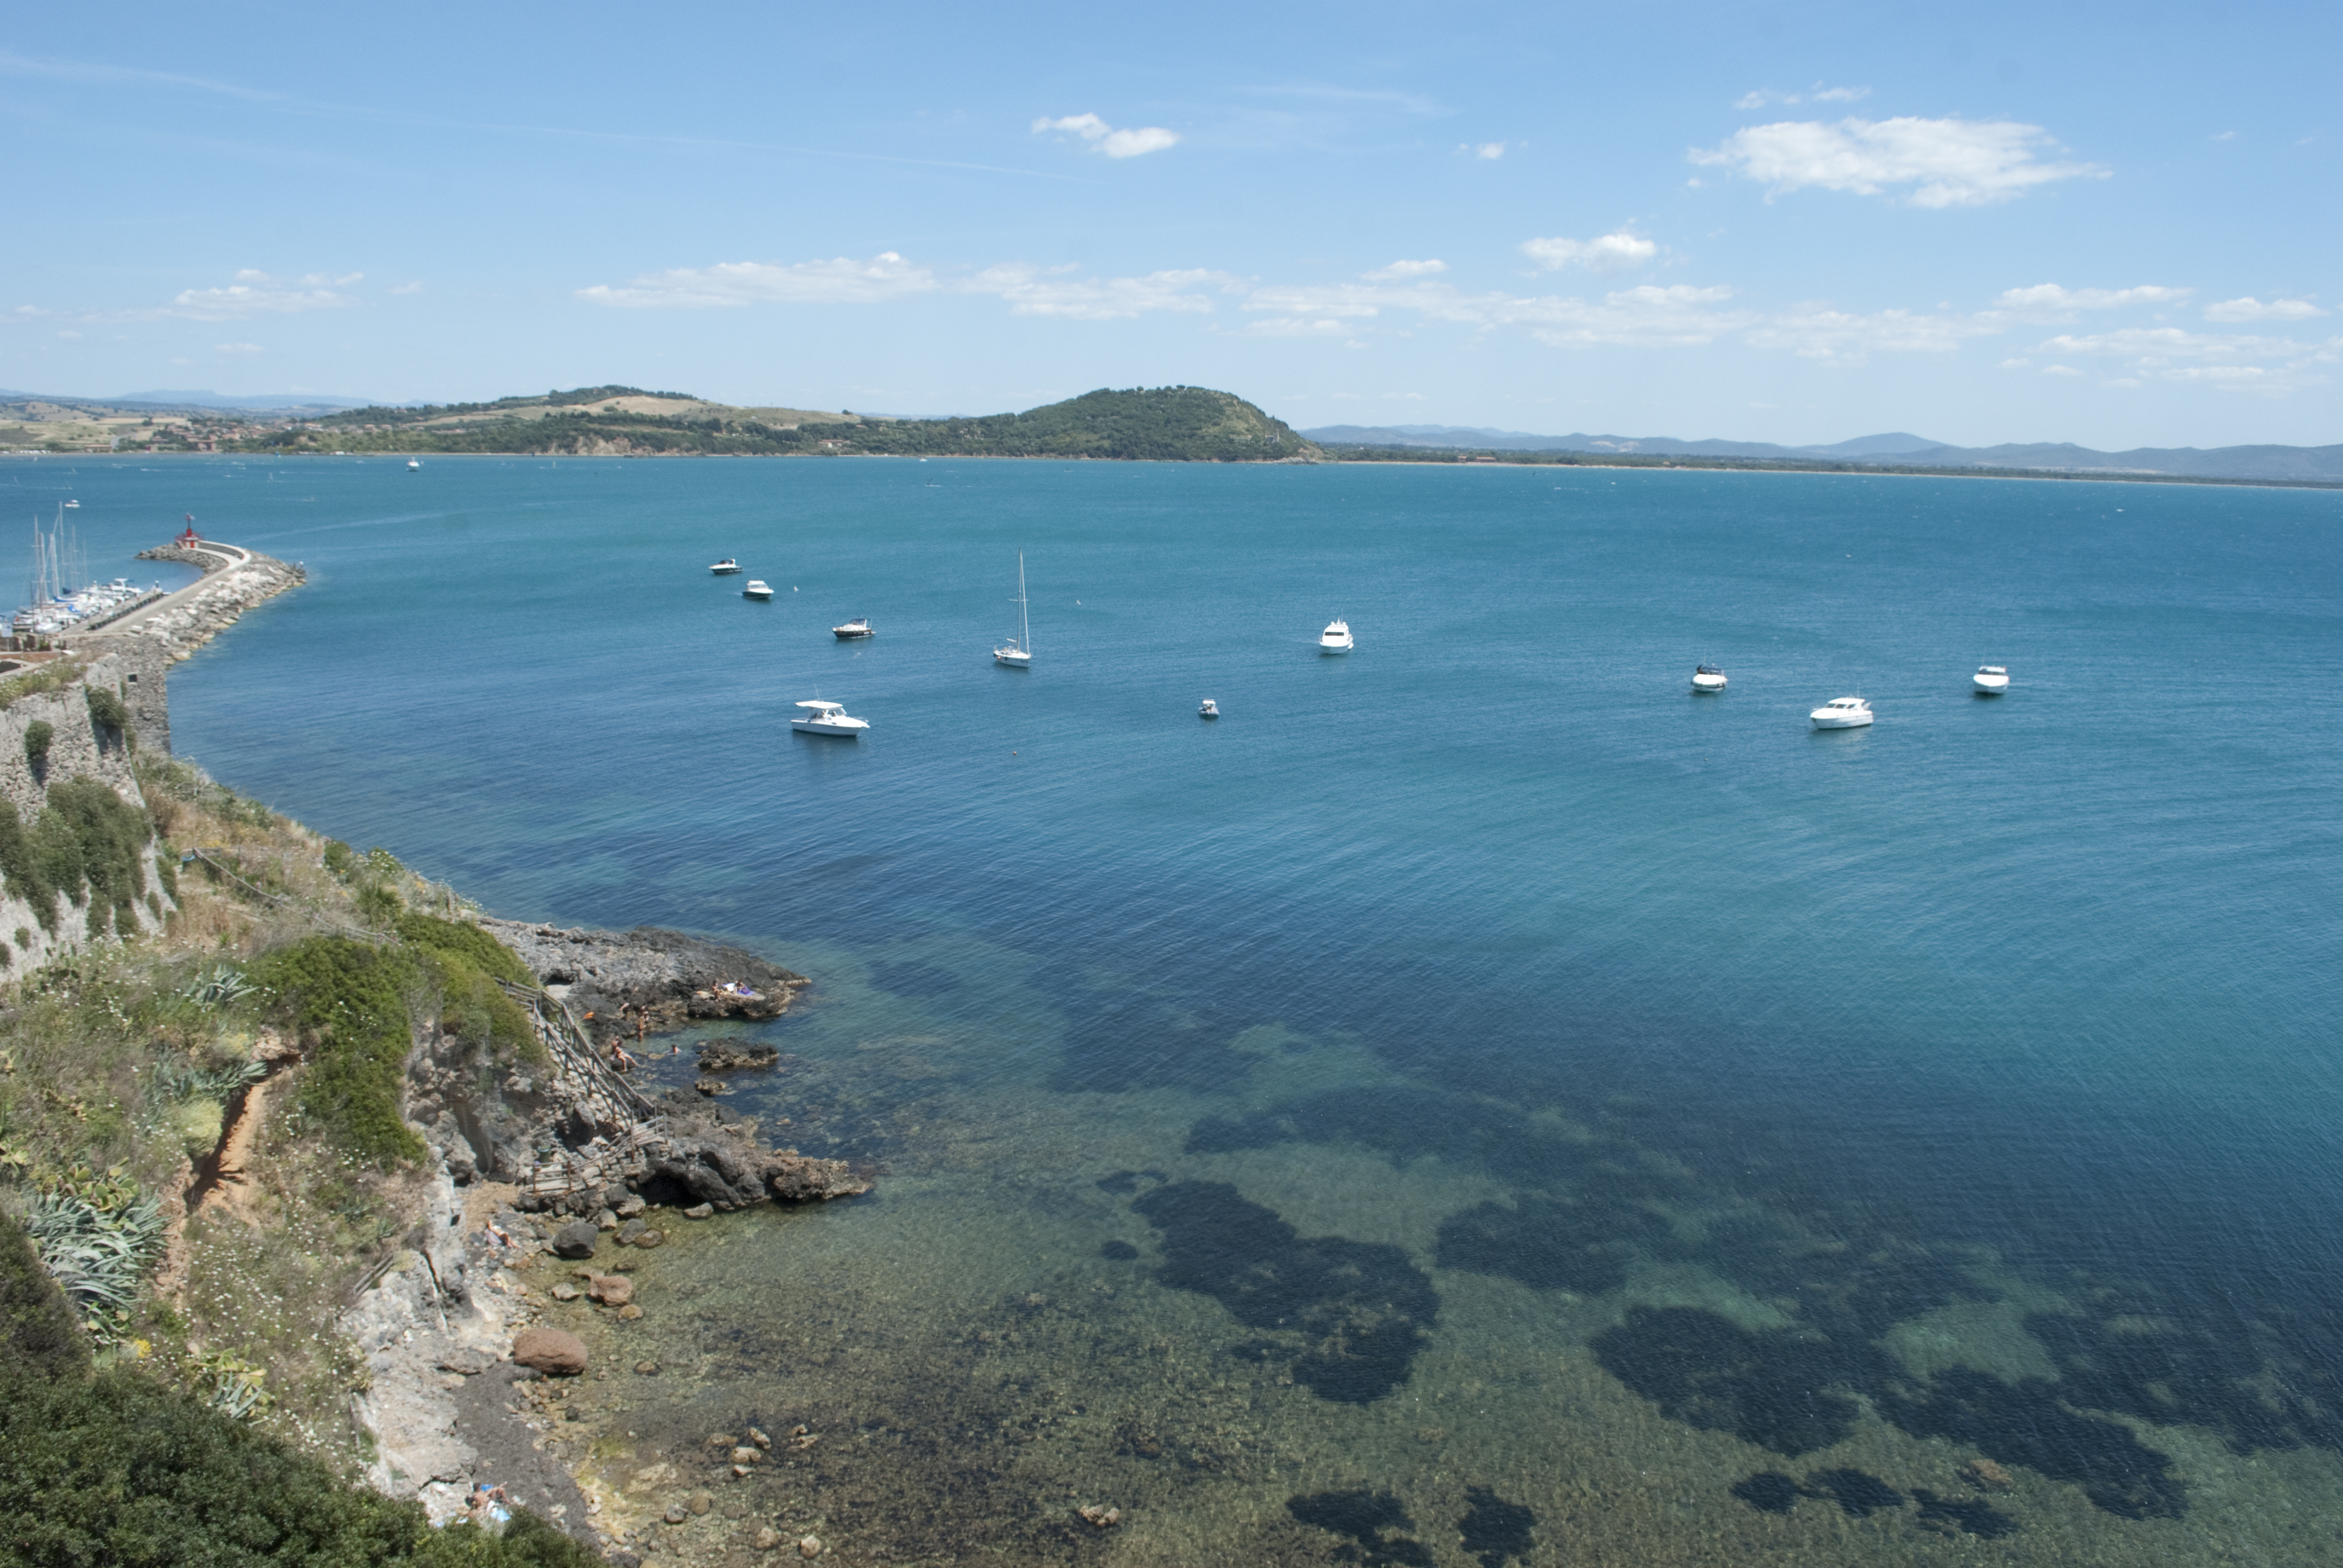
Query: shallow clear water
{"type": "Point", "coordinates": [1473, 1076]}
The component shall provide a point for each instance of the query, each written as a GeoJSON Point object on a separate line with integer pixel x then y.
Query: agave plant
{"type": "Point", "coordinates": [97, 1254]}
{"type": "Point", "coordinates": [222, 985]}
{"type": "Point", "coordinates": [236, 1387]}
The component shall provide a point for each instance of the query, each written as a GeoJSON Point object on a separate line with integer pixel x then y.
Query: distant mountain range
{"type": "Point", "coordinates": [1897, 448]}
{"type": "Point", "coordinates": [260, 403]}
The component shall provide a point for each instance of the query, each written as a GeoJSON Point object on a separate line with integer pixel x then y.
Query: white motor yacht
{"type": "Point", "coordinates": [1208, 708]}
{"type": "Point", "coordinates": [857, 627]}
{"type": "Point", "coordinates": [727, 567]}
{"type": "Point", "coordinates": [1707, 677]}
{"type": "Point", "coordinates": [827, 719]}
{"type": "Point", "coordinates": [1991, 679]}
{"type": "Point", "coordinates": [757, 589]}
{"type": "Point", "coordinates": [414, 463]}
{"type": "Point", "coordinates": [1842, 713]}
{"type": "Point", "coordinates": [1335, 639]}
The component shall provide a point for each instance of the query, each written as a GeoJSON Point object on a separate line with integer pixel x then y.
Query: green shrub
{"type": "Point", "coordinates": [89, 836]}
{"type": "Point", "coordinates": [341, 858]}
{"type": "Point", "coordinates": [38, 735]}
{"type": "Point", "coordinates": [353, 999]}
{"type": "Point", "coordinates": [108, 713]}
{"type": "Point", "coordinates": [116, 1469]}
{"type": "Point", "coordinates": [38, 1328]}
{"type": "Point", "coordinates": [377, 906]}
{"type": "Point", "coordinates": [21, 873]}
{"type": "Point", "coordinates": [468, 961]}
{"type": "Point", "coordinates": [450, 938]}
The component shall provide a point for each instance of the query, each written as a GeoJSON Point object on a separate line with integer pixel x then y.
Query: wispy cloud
{"type": "Point", "coordinates": [1618, 251]}
{"type": "Point", "coordinates": [1103, 137]}
{"type": "Point", "coordinates": [1032, 291]}
{"type": "Point", "coordinates": [238, 348]}
{"type": "Point", "coordinates": [2231, 362]}
{"type": "Point", "coordinates": [1848, 338]}
{"type": "Point", "coordinates": [841, 281]}
{"type": "Point", "coordinates": [1399, 270]}
{"type": "Point", "coordinates": [2050, 296]}
{"type": "Point", "coordinates": [2252, 309]}
{"type": "Point", "coordinates": [254, 293]}
{"type": "Point", "coordinates": [1765, 98]}
{"type": "Point", "coordinates": [1485, 152]}
{"type": "Point", "coordinates": [416, 287]}
{"type": "Point", "coordinates": [1945, 163]}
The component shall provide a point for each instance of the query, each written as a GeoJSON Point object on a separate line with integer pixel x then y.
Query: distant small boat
{"type": "Point", "coordinates": [857, 627]}
{"type": "Point", "coordinates": [73, 506]}
{"type": "Point", "coordinates": [414, 463]}
{"type": "Point", "coordinates": [1842, 713]}
{"type": "Point", "coordinates": [727, 567]}
{"type": "Point", "coordinates": [1208, 708]}
{"type": "Point", "coordinates": [827, 719]}
{"type": "Point", "coordinates": [1018, 653]}
{"type": "Point", "coordinates": [1335, 639]}
{"type": "Point", "coordinates": [757, 589]}
{"type": "Point", "coordinates": [1707, 677]}
{"type": "Point", "coordinates": [1991, 679]}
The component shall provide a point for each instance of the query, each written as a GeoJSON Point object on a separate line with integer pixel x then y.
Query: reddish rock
{"type": "Point", "coordinates": [611, 1290]}
{"type": "Point", "coordinates": [551, 1352]}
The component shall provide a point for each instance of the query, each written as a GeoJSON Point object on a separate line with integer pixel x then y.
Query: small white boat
{"type": "Point", "coordinates": [857, 627]}
{"type": "Point", "coordinates": [1707, 677]}
{"type": "Point", "coordinates": [73, 506]}
{"type": "Point", "coordinates": [1991, 679]}
{"type": "Point", "coordinates": [414, 463]}
{"type": "Point", "coordinates": [1842, 713]}
{"type": "Point", "coordinates": [827, 719]}
{"type": "Point", "coordinates": [1335, 639]}
{"type": "Point", "coordinates": [1018, 652]}
{"type": "Point", "coordinates": [757, 589]}
{"type": "Point", "coordinates": [727, 567]}
{"type": "Point", "coordinates": [1208, 708]}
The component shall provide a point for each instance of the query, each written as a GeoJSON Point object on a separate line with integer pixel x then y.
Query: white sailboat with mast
{"type": "Point", "coordinates": [1019, 653]}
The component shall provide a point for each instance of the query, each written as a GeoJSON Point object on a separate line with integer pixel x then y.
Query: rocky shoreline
{"type": "Point", "coordinates": [466, 1381]}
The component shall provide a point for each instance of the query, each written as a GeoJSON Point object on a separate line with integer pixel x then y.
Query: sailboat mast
{"type": "Point", "coordinates": [1024, 618]}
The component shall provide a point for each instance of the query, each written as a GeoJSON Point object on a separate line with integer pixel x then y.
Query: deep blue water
{"type": "Point", "coordinates": [2053, 976]}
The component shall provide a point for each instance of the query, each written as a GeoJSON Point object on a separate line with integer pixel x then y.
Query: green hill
{"type": "Point", "coordinates": [1163, 424]}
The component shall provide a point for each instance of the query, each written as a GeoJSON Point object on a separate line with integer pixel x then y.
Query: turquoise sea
{"type": "Point", "coordinates": [1475, 1102]}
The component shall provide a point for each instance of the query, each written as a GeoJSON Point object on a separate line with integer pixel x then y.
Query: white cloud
{"type": "Point", "coordinates": [2018, 363]}
{"type": "Point", "coordinates": [30, 310]}
{"type": "Point", "coordinates": [68, 332]}
{"type": "Point", "coordinates": [255, 293]}
{"type": "Point", "coordinates": [1947, 162]}
{"type": "Point", "coordinates": [238, 348]}
{"type": "Point", "coordinates": [1487, 151]}
{"type": "Point", "coordinates": [2154, 345]}
{"type": "Point", "coordinates": [2049, 299]}
{"type": "Point", "coordinates": [1619, 251]}
{"type": "Point", "coordinates": [841, 281]}
{"type": "Point", "coordinates": [1404, 270]}
{"type": "Point", "coordinates": [416, 287]}
{"type": "Point", "coordinates": [2060, 370]}
{"type": "Point", "coordinates": [1295, 326]}
{"type": "Point", "coordinates": [1406, 396]}
{"type": "Point", "coordinates": [1764, 96]}
{"type": "Point", "coordinates": [2252, 309]}
{"type": "Point", "coordinates": [1103, 137]}
{"type": "Point", "coordinates": [1848, 338]}
{"type": "Point", "coordinates": [1035, 291]}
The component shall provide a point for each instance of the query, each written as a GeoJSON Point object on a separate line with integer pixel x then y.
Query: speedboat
{"type": "Point", "coordinates": [827, 719]}
{"type": "Point", "coordinates": [727, 567]}
{"type": "Point", "coordinates": [1335, 639]}
{"type": "Point", "coordinates": [1208, 708]}
{"type": "Point", "coordinates": [414, 463]}
{"type": "Point", "coordinates": [757, 589]}
{"type": "Point", "coordinates": [1991, 679]}
{"type": "Point", "coordinates": [857, 627]}
{"type": "Point", "coordinates": [1707, 677]}
{"type": "Point", "coordinates": [1842, 713]}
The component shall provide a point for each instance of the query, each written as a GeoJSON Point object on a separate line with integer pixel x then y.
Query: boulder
{"type": "Point", "coordinates": [650, 1238]}
{"type": "Point", "coordinates": [700, 1211]}
{"type": "Point", "coordinates": [553, 1352]}
{"type": "Point", "coordinates": [576, 1239]}
{"type": "Point", "coordinates": [729, 1055]}
{"type": "Point", "coordinates": [611, 1290]}
{"type": "Point", "coordinates": [793, 1178]}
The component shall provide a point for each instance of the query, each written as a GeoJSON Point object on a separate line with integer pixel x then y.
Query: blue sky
{"type": "Point", "coordinates": [2112, 225]}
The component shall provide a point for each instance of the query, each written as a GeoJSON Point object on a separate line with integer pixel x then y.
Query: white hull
{"type": "Point", "coordinates": [756, 590]}
{"type": "Point", "coordinates": [849, 729]}
{"type": "Point", "coordinates": [1990, 685]}
{"type": "Point", "coordinates": [1835, 722]}
{"type": "Point", "coordinates": [1709, 683]}
{"type": "Point", "coordinates": [1012, 658]}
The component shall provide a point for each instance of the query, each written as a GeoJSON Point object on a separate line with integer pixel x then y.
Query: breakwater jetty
{"type": "Point", "coordinates": [150, 637]}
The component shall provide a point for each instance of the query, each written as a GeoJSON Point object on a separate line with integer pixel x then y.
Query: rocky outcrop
{"type": "Point", "coordinates": [713, 1158]}
{"type": "Point", "coordinates": [730, 1055]}
{"type": "Point", "coordinates": [662, 978]}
